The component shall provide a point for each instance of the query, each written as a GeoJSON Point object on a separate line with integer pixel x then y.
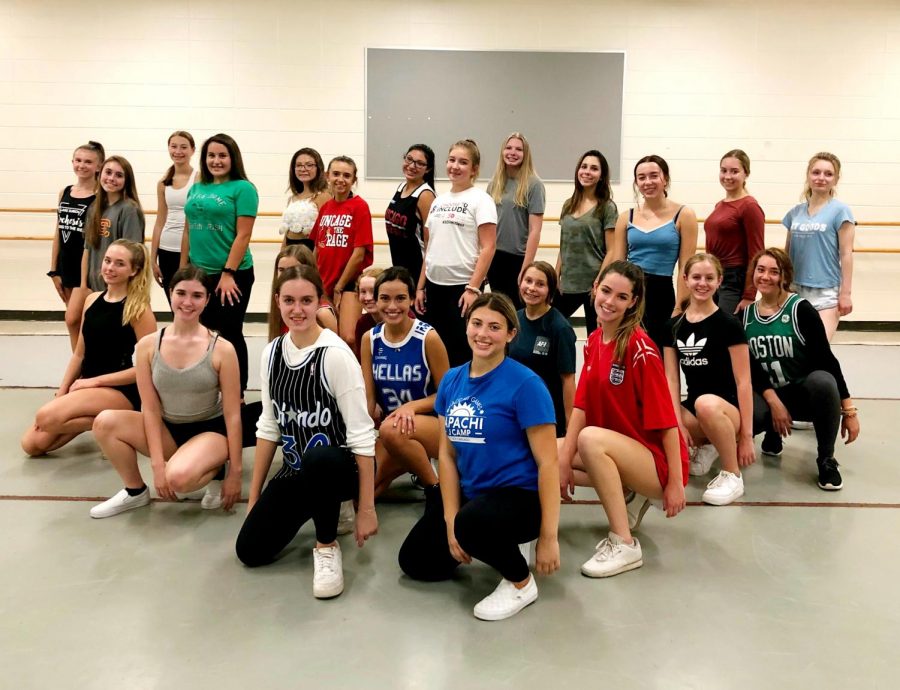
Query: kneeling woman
{"type": "Point", "coordinates": [403, 362]}
{"type": "Point", "coordinates": [100, 375]}
{"type": "Point", "coordinates": [498, 469]}
{"type": "Point", "coordinates": [623, 431]}
{"type": "Point", "coordinates": [314, 404]}
{"type": "Point", "coordinates": [789, 340]}
{"type": "Point", "coordinates": [190, 419]}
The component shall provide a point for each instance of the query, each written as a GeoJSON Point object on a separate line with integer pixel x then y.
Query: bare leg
{"type": "Point", "coordinates": [413, 451]}
{"type": "Point", "coordinates": [194, 464]}
{"type": "Point", "coordinates": [719, 422]}
{"type": "Point", "coordinates": [348, 315]}
{"type": "Point", "coordinates": [121, 436]}
{"type": "Point", "coordinates": [830, 319]}
{"type": "Point", "coordinates": [74, 307]}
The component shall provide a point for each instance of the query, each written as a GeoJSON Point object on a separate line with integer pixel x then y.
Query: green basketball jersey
{"type": "Point", "coordinates": [777, 344]}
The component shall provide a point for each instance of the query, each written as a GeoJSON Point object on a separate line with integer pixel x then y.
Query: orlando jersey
{"type": "Point", "coordinates": [776, 342]}
{"type": "Point", "coordinates": [304, 407]}
{"type": "Point", "coordinates": [400, 370]}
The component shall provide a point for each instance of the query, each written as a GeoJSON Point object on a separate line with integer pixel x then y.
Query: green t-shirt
{"type": "Point", "coordinates": [583, 246]}
{"type": "Point", "coordinates": [212, 211]}
{"type": "Point", "coordinates": [777, 343]}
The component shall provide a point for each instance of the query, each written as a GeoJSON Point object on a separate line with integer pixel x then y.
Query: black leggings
{"type": "Point", "coordinates": [660, 302]}
{"type": "Point", "coordinates": [442, 313]}
{"type": "Point", "coordinates": [815, 400]}
{"type": "Point", "coordinates": [503, 275]}
{"type": "Point", "coordinates": [328, 475]}
{"type": "Point", "coordinates": [731, 291]}
{"type": "Point", "coordinates": [489, 527]}
{"type": "Point", "coordinates": [569, 302]}
{"type": "Point", "coordinates": [228, 319]}
{"type": "Point", "coordinates": [168, 266]}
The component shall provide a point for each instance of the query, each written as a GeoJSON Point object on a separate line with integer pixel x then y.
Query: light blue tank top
{"type": "Point", "coordinates": [656, 250]}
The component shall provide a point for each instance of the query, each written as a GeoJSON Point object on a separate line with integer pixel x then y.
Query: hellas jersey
{"type": "Point", "coordinates": [400, 370]}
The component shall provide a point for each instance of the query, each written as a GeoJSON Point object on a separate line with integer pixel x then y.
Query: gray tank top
{"type": "Point", "coordinates": [187, 395]}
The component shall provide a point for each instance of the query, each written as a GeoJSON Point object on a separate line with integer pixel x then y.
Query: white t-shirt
{"type": "Point", "coordinates": [343, 377]}
{"type": "Point", "coordinates": [453, 246]}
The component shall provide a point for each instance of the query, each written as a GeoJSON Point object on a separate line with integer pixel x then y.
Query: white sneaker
{"type": "Point", "coordinates": [328, 572]}
{"type": "Point", "coordinates": [212, 497]}
{"type": "Point", "coordinates": [702, 459]}
{"type": "Point", "coordinates": [121, 502]}
{"type": "Point", "coordinates": [346, 518]}
{"type": "Point", "coordinates": [724, 489]}
{"type": "Point", "coordinates": [613, 556]}
{"type": "Point", "coordinates": [506, 601]}
{"type": "Point", "coordinates": [802, 426]}
{"type": "Point", "coordinates": [636, 511]}
{"type": "Point", "coordinates": [529, 552]}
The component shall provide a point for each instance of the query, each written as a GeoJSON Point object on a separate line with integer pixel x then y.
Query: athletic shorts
{"type": "Point", "coordinates": [182, 433]}
{"type": "Point", "coordinates": [820, 298]}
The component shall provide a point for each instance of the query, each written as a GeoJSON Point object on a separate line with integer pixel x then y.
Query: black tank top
{"type": "Point", "coordinates": [404, 229]}
{"type": "Point", "coordinates": [71, 216]}
{"type": "Point", "coordinates": [108, 345]}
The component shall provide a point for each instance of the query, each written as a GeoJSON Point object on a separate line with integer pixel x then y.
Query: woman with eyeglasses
{"type": "Point", "coordinates": [405, 216]}
{"type": "Point", "coordinates": [309, 191]}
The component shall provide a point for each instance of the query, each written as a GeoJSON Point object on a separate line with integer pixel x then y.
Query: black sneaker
{"type": "Point", "coordinates": [829, 475]}
{"type": "Point", "coordinates": [772, 444]}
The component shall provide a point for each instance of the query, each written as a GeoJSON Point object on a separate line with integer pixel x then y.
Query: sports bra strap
{"type": "Point", "coordinates": [677, 213]}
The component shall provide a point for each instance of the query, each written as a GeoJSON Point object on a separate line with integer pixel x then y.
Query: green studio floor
{"type": "Point", "coordinates": [793, 588]}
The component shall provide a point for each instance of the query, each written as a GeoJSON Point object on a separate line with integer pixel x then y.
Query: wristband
{"type": "Point", "coordinates": [229, 271]}
{"type": "Point", "coordinates": [52, 274]}
{"type": "Point", "coordinates": [470, 288]}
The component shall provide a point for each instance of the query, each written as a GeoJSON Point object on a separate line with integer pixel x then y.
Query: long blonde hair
{"type": "Point", "coordinates": [497, 185]}
{"type": "Point", "coordinates": [633, 315]}
{"type": "Point", "coordinates": [137, 298]}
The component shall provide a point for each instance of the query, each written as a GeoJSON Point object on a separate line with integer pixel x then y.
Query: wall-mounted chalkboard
{"type": "Point", "coordinates": [564, 103]}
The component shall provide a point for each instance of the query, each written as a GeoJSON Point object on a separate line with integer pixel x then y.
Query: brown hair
{"type": "Point", "coordinates": [318, 183]}
{"type": "Point", "coordinates": [742, 158]}
{"type": "Point", "coordinates": [782, 260]}
{"type": "Point", "coordinates": [821, 156]}
{"type": "Point", "coordinates": [302, 272]}
{"type": "Point", "coordinates": [470, 146]}
{"type": "Point", "coordinates": [170, 173]}
{"type": "Point", "coordinates": [305, 257]}
{"type": "Point", "coordinates": [98, 208]}
{"type": "Point", "coordinates": [633, 315]}
{"type": "Point", "coordinates": [500, 303]}
{"type": "Point", "coordinates": [602, 190]}
{"type": "Point", "coordinates": [97, 149]}
{"type": "Point", "coordinates": [549, 273]}
{"type": "Point", "coordinates": [237, 162]}
{"type": "Point", "coordinates": [663, 166]}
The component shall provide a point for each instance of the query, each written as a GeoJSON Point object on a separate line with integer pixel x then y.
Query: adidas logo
{"type": "Point", "coordinates": [690, 347]}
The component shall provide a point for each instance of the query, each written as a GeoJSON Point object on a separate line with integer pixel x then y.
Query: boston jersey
{"type": "Point", "coordinates": [400, 370]}
{"type": "Point", "coordinates": [777, 343]}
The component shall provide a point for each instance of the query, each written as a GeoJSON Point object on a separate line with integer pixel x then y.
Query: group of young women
{"type": "Point", "coordinates": [449, 374]}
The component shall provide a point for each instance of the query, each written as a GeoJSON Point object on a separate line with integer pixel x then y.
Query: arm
{"type": "Point", "coordinates": [740, 364]}
{"type": "Point", "coordinates": [569, 448]}
{"type": "Point", "coordinates": [268, 435]}
{"type": "Point", "coordinates": [351, 270]}
{"type": "Point", "coordinates": [687, 229]}
{"type": "Point", "coordinates": [450, 493]}
{"type": "Point", "coordinates": [423, 206]}
{"type": "Point", "coordinates": [673, 491]}
{"type": "Point", "coordinates": [151, 414]}
{"type": "Point", "coordinates": [365, 353]}
{"type": "Point", "coordinates": [162, 210]}
{"type": "Point", "coordinates": [542, 439]}
{"type": "Point", "coordinates": [54, 256]}
{"type": "Point", "coordinates": [420, 297]}
{"type": "Point", "coordinates": [846, 236]}
{"type": "Point", "coordinates": [84, 268]}
{"type": "Point", "coordinates": [673, 378]}
{"type": "Point", "coordinates": [227, 288]}
{"type": "Point", "coordinates": [487, 240]}
{"type": "Point", "coordinates": [568, 394]}
{"type": "Point", "coordinates": [754, 223]}
{"type": "Point", "coordinates": [226, 364]}
{"type": "Point", "coordinates": [535, 224]}
{"type": "Point", "coordinates": [618, 249]}
{"type": "Point", "coordinates": [185, 245]}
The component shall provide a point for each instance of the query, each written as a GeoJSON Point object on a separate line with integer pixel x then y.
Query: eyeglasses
{"type": "Point", "coordinates": [413, 162]}
{"type": "Point", "coordinates": [306, 166]}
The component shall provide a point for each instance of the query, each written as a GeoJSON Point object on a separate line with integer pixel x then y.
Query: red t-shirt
{"type": "Point", "coordinates": [341, 227]}
{"type": "Point", "coordinates": [735, 232]}
{"type": "Point", "coordinates": [633, 399]}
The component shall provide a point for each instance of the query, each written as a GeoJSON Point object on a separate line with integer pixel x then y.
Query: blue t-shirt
{"type": "Point", "coordinates": [815, 250]}
{"type": "Point", "coordinates": [485, 419]}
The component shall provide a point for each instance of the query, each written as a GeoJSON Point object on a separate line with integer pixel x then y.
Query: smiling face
{"type": "Point", "coordinates": [341, 177]}
{"type": "Point", "coordinates": [460, 169]}
{"type": "Point", "coordinates": [116, 268]}
{"type": "Point", "coordinates": [534, 289]}
{"type": "Point", "coordinates": [112, 178]}
{"type": "Point", "coordinates": [415, 165]}
{"type": "Point", "coordinates": [822, 177]}
{"type": "Point", "coordinates": [366, 290]}
{"type": "Point", "coordinates": [767, 277]}
{"type": "Point", "coordinates": [305, 168]}
{"type": "Point", "coordinates": [589, 172]}
{"type": "Point", "coordinates": [189, 299]}
{"type": "Point", "coordinates": [298, 303]}
{"type": "Point", "coordinates": [85, 164]}
{"type": "Point", "coordinates": [702, 281]}
{"type": "Point", "coordinates": [180, 150]}
{"type": "Point", "coordinates": [614, 297]}
{"type": "Point", "coordinates": [650, 180]}
{"type": "Point", "coordinates": [514, 153]}
{"type": "Point", "coordinates": [732, 175]}
{"type": "Point", "coordinates": [393, 301]}
{"type": "Point", "coordinates": [488, 334]}
{"type": "Point", "coordinates": [218, 160]}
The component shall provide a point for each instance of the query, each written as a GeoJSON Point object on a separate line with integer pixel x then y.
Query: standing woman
{"type": "Point", "coordinates": [586, 233]}
{"type": "Point", "coordinates": [735, 232]}
{"type": "Point", "coordinates": [709, 346]}
{"type": "Point", "coordinates": [171, 195]}
{"type": "Point", "coordinates": [309, 190]}
{"type": "Point", "coordinates": [623, 431]}
{"type": "Point", "coordinates": [407, 212]}
{"type": "Point", "coordinates": [343, 240]}
{"type": "Point", "coordinates": [190, 419]}
{"type": "Point", "coordinates": [313, 381]}
{"type": "Point", "coordinates": [100, 375]}
{"type": "Point", "coordinates": [498, 470]}
{"type": "Point", "coordinates": [655, 235]}
{"type": "Point", "coordinates": [788, 339]}
{"type": "Point", "coordinates": [72, 213]}
{"type": "Point", "coordinates": [290, 256]}
{"type": "Point", "coordinates": [219, 215]}
{"type": "Point", "coordinates": [520, 197]}
{"type": "Point", "coordinates": [462, 236]}
{"type": "Point", "coordinates": [403, 362]}
{"type": "Point", "coordinates": [545, 342]}
{"type": "Point", "coordinates": [820, 238]}
{"type": "Point", "coordinates": [115, 215]}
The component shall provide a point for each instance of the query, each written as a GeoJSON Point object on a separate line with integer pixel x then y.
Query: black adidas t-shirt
{"type": "Point", "coordinates": [703, 354]}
